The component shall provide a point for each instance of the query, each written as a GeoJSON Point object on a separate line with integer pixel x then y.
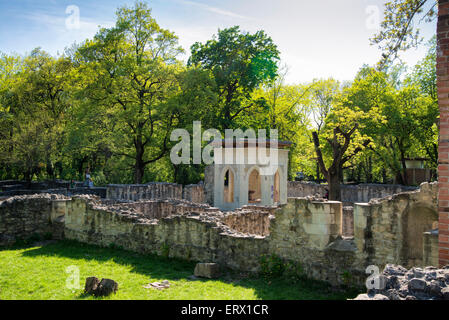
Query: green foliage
{"type": "Point", "coordinates": [99, 179]}
{"type": "Point", "coordinates": [407, 112]}
{"type": "Point", "coordinates": [239, 63]}
{"type": "Point", "coordinates": [34, 102]}
{"type": "Point", "coordinates": [47, 236]}
{"type": "Point", "coordinates": [399, 31]}
{"type": "Point", "coordinates": [115, 246]}
{"type": "Point", "coordinates": [347, 278]}
{"type": "Point", "coordinates": [272, 266]}
{"type": "Point", "coordinates": [128, 75]}
{"type": "Point", "coordinates": [35, 237]}
{"type": "Point", "coordinates": [110, 104]}
{"type": "Point", "coordinates": [294, 271]}
{"type": "Point", "coordinates": [165, 250]}
{"type": "Point", "coordinates": [188, 253]}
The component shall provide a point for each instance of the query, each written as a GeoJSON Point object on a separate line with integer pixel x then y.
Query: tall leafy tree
{"type": "Point", "coordinates": [324, 95]}
{"type": "Point", "coordinates": [341, 139]}
{"type": "Point", "coordinates": [239, 62]}
{"type": "Point", "coordinates": [129, 71]}
{"type": "Point", "coordinates": [10, 67]}
{"type": "Point", "coordinates": [287, 111]}
{"type": "Point", "coordinates": [400, 27]}
{"type": "Point", "coordinates": [38, 100]}
{"type": "Point", "coordinates": [423, 78]}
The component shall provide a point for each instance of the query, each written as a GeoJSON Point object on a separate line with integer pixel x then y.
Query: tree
{"type": "Point", "coordinates": [424, 79]}
{"type": "Point", "coordinates": [409, 112]}
{"type": "Point", "coordinates": [286, 109]}
{"type": "Point", "coordinates": [343, 139]}
{"type": "Point", "coordinates": [38, 100]}
{"type": "Point", "coordinates": [195, 101]}
{"type": "Point", "coordinates": [10, 67]}
{"type": "Point", "coordinates": [129, 71]}
{"type": "Point", "coordinates": [322, 100]}
{"type": "Point", "coordinates": [375, 89]}
{"type": "Point", "coordinates": [239, 63]}
{"type": "Point", "coordinates": [398, 30]}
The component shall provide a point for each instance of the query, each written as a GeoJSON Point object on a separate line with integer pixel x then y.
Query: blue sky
{"type": "Point", "coordinates": [317, 38]}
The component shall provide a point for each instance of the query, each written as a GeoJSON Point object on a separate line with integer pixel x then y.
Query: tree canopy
{"type": "Point", "coordinates": [111, 103]}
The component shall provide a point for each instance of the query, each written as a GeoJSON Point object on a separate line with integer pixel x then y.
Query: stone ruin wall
{"type": "Point", "coordinates": [192, 236]}
{"type": "Point", "coordinates": [10, 188]}
{"type": "Point", "coordinates": [349, 193]}
{"type": "Point", "coordinates": [348, 221]}
{"type": "Point", "coordinates": [250, 219]}
{"type": "Point", "coordinates": [23, 216]}
{"type": "Point", "coordinates": [203, 193]}
{"type": "Point", "coordinates": [194, 193]}
{"type": "Point", "coordinates": [303, 230]}
{"type": "Point", "coordinates": [392, 229]}
{"type": "Point", "coordinates": [157, 209]}
{"type": "Point", "coordinates": [156, 191]}
{"type": "Point", "coordinates": [151, 191]}
{"type": "Point", "coordinates": [362, 193]}
{"type": "Point", "coordinates": [197, 193]}
{"type": "Point", "coordinates": [430, 248]}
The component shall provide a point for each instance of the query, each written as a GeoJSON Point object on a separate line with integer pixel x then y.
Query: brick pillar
{"type": "Point", "coordinates": [443, 148]}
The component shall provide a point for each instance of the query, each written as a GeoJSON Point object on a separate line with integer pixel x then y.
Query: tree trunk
{"type": "Point", "coordinates": [27, 176]}
{"type": "Point", "coordinates": [139, 166]}
{"type": "Point", "coordinates": [404, 171]}
{"type": "Point", "coordinates": [333, 181]}
{"type": "Point", "coordinates": [369, 170]}
{"type": "Point", "coordinates": [175, 173]}
{"type": "Point", "coordinates": [359, 174]}
{"type": "Point", "coordinates": [384, 175]}
{"type": "Point", "coordinates": [50, 170]}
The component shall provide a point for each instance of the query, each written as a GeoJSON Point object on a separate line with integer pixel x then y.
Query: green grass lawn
{"type": "Point", "coordinates": [39, 272]}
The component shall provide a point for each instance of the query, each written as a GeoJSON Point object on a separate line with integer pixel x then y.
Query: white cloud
{"type": "Point", "coordinates": [57, 23]}
{"type": "Point", "coordinates": [54, 26]}
{"type": "Point", "coordinates": [214, 9]}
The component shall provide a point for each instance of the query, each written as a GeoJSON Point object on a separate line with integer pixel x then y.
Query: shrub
{"type": "Point", "coordinates": [273, 266]}
{"type": "Point", "coordinates": [165, 250]}
{"type": "Point", "coordinates": [347, 278]}
{"type": "Point", "coordinates": [48, 236]}
{"type": "Point", "coordinates": [33, 238]}
{"type": "Point", "coordinates": [114, 246]}
{"type": "Point", "coordinates": [99, 179]}
{"type": "Point", "coordinates": [294, 270]}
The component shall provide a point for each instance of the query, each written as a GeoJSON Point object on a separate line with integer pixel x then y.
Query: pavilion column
{"type": "Point", "coordinates": [443, 148]}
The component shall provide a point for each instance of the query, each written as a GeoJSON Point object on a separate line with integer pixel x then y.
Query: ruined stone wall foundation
{"type": "Point", "coordinates": [24, 216]}
{"type": "Point", "coordinates": [305, 231]}
{"type": "Point", "coordinates": [349, 193]}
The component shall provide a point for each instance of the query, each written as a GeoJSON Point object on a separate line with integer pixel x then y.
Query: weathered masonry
{"type": "Point", "coordinates": [398, 229]}
{"type": "Point", "coordinates": [349, 193]}
{"type": "Point", "coordinates": [443, 147]}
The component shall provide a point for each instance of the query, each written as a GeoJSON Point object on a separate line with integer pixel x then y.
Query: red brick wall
{"type": "Point", "coordinates": [443, 149]}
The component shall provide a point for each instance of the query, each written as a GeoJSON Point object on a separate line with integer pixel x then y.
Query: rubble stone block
{"type": "Point", "coordinates": [98, 288]}
{"type": "Point", "coordinates": [106, 287]}
{"type": "Point", "coordinates": [445, 293]}
{"type": "Point", "coordinates": [91, 285]}
{"type": "Point", "coordinates": [207, 270]}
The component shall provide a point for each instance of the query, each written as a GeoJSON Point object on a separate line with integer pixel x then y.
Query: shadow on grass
{"type": "Point", "coordinates": [177, 269]}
